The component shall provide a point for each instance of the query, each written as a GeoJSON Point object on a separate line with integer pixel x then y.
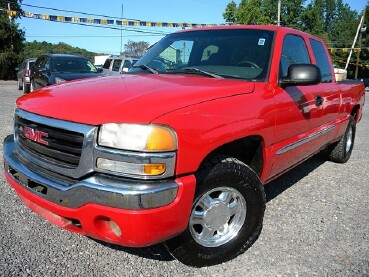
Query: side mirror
{"type": "Point", "coordinates": [99, 70]}
{"type": "Point", "coordinates": [301, 75]}
{"type": "Point", "coordinates": [43, 69]}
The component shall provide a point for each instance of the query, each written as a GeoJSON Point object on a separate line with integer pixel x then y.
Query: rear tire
{"type": "Point", "coordinates": [226, 217]}
{"type": "Point", "coordinates": [19, 86]}
{"type": "Point", "coordinates": [340, 152]}
{"type": "Point", "coordinates": [31, 86]}
{"type": "Point", "coordinates": [25, 88]}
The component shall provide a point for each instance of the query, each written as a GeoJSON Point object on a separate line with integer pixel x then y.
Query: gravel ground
{"type": "Point", "coordinates": [316, 224]}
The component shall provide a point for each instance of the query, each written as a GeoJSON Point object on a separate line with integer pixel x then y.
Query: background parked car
{"type": "Point", "coordinates": [117, 64]}
{"type": "Point", "coordinates": [24, 73]}
{"type": "Point", "coordinates": [57, 68]}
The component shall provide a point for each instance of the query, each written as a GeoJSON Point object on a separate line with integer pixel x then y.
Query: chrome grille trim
{"type": "Point", "coordinates": [85, 164]}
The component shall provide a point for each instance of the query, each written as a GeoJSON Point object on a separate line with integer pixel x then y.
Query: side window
{"type": "Point", "coordinates": [322, 60]}
{"type": "Point", "coordinates": [127, 64]}
{"type": "Point", "coordinates": [38, 62]}
{"type": "Point", "coordinates": [116, 65]}
{"type": "Point", "coordinates": [294, 51]}
{"type": "Point", "coordinates": [47, 63]}
{"type": "Point", "coordinates": [107, 64]}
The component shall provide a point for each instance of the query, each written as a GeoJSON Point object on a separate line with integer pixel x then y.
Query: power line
{"type": "Point", "coordinates": [109, 27]}
{"type": "Point", "coordinates": [91, 36]}
{"type": "Point", "coordinates": [69, 11]}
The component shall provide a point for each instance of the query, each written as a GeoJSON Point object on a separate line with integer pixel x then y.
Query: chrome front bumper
{"type": "Point", "coordinates": [100, 189]}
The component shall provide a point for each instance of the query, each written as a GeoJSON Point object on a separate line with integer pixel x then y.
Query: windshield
{"type": "Point", "coordinates": [72, 65]}
{"type": "Point", "coordinates": [241, 54]}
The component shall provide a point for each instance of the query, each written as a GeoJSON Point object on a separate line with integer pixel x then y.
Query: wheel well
{"type": "Point", "coordinates": [354, 112]}
{"type": "Point", "coordinates": [249, 150]}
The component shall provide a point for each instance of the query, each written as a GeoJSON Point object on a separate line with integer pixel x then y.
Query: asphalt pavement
{"type": "Point", "coordinates": [316, 224]}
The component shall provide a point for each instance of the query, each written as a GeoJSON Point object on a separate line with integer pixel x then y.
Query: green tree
{"type": "Point", "coordinates": [230, 12]}
{"type": "Point", "coordinates": [35, 49]}
{"type": "Point", "coordinates": [135, 48]}
{"type": "Point", "coordinates": [11, 40]}
{"type": "Point", "coordinates": [264, 12]}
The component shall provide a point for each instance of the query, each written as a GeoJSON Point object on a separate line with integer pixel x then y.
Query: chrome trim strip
{"type": "Point", "coordinates": [305, 140]}
{"type": "Point", "coordinates": [108, 191]}
{"type": "Point", "coordinates": [169, 158]}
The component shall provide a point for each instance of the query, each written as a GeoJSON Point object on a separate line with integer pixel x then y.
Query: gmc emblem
{"type": "Point", "coordinates": [34, 135]}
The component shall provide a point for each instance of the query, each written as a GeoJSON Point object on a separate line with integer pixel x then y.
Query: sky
{"type": "Point", "coordinates": [111, 41]}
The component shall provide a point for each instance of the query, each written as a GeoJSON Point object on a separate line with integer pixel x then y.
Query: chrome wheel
{"type": "Point", "coordinates": [217, 217]}
{"type": "Point", "coordinates": [349, 140]}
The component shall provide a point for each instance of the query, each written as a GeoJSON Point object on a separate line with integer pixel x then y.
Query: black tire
{"type": "Point", "coordinates": [232, 185]}
{"type": "Point", "coordinates": [19, 86]}
{"type": "Point", "coordinates": [340, 152]}
{"type": "Point", "coordinates": [25, 88]}
{"type": "Point", "coordinates": [31, 86]}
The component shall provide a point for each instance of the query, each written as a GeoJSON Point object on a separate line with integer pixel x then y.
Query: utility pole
{"type": "Point", "coordinates": [10, 27]}
{"type": "Point", "coordinates": [279, 13]}
{"type": "Point", "coordinates": [353, 44]}
{"type": "Point", "coordinates": [121, 32]}
{"type": "Point", "coordinates": [362, 29]}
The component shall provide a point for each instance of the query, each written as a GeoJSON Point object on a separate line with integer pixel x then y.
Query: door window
{"type": "Point", "coordinates": [294, 51]}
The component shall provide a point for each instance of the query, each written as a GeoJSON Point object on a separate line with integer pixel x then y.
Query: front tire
{"type": "Point", "coordinates": [226, 216]}
{"type": "Point", "coordinates": [340, 152]}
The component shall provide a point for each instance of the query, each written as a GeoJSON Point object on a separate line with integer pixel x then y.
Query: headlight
{"type": "Point", "coordinates": [147, 138]}
{"type": "Point", "coordinates": [153, 150]}
{"type": "Point", "coordinates": [59, 80]}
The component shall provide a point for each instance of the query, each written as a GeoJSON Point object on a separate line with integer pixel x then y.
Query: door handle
{"type": "Point", "coordinates": [318, 100]}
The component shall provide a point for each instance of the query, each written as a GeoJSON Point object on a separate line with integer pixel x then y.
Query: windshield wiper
{"type": "Point", "coordinates": [197, 71]}
{"type": "Point", "coordinates": [146, 67]}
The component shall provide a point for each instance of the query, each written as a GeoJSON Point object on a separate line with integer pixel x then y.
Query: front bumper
{"type": "Point", "coordinates": [111, 209]}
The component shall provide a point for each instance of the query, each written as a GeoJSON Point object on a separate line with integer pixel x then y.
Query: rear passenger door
{"type": "Point", "coordinates": [298, 110]}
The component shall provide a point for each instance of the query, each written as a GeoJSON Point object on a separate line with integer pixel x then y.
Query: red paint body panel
{"type": "Point", "coordinates": [138, 228]}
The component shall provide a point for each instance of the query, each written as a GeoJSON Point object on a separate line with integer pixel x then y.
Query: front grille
{"type": "Point", "coordinates": [63, 147]}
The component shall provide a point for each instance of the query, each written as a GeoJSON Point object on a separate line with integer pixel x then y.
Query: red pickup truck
{"type": "Point", "coordinates": [178, 149]}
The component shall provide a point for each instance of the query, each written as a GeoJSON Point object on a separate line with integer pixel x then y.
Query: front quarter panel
{"type": "Point", "coordinates": [204, 127]}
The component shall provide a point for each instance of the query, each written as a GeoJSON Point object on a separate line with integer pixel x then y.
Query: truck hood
{"type": "Point", "coordinates": [127, 98]}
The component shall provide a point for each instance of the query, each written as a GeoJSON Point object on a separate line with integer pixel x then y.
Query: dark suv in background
{"type": "Point", "coordinates": [24, 73]}
{"type": "Point", "coordinates": [57, 68]}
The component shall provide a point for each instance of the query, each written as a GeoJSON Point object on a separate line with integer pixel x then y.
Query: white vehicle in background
{"type": "Point", "coordinates": [24, 73]}
{"type": "Point", "coordinates": [117, 65]}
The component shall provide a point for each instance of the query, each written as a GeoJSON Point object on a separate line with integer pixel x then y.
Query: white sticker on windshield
{"type": "Point", "coordinates": [261, 41]}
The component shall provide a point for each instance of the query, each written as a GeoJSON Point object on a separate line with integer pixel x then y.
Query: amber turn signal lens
{"type": "Point", "coordinates": [154, 169]}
